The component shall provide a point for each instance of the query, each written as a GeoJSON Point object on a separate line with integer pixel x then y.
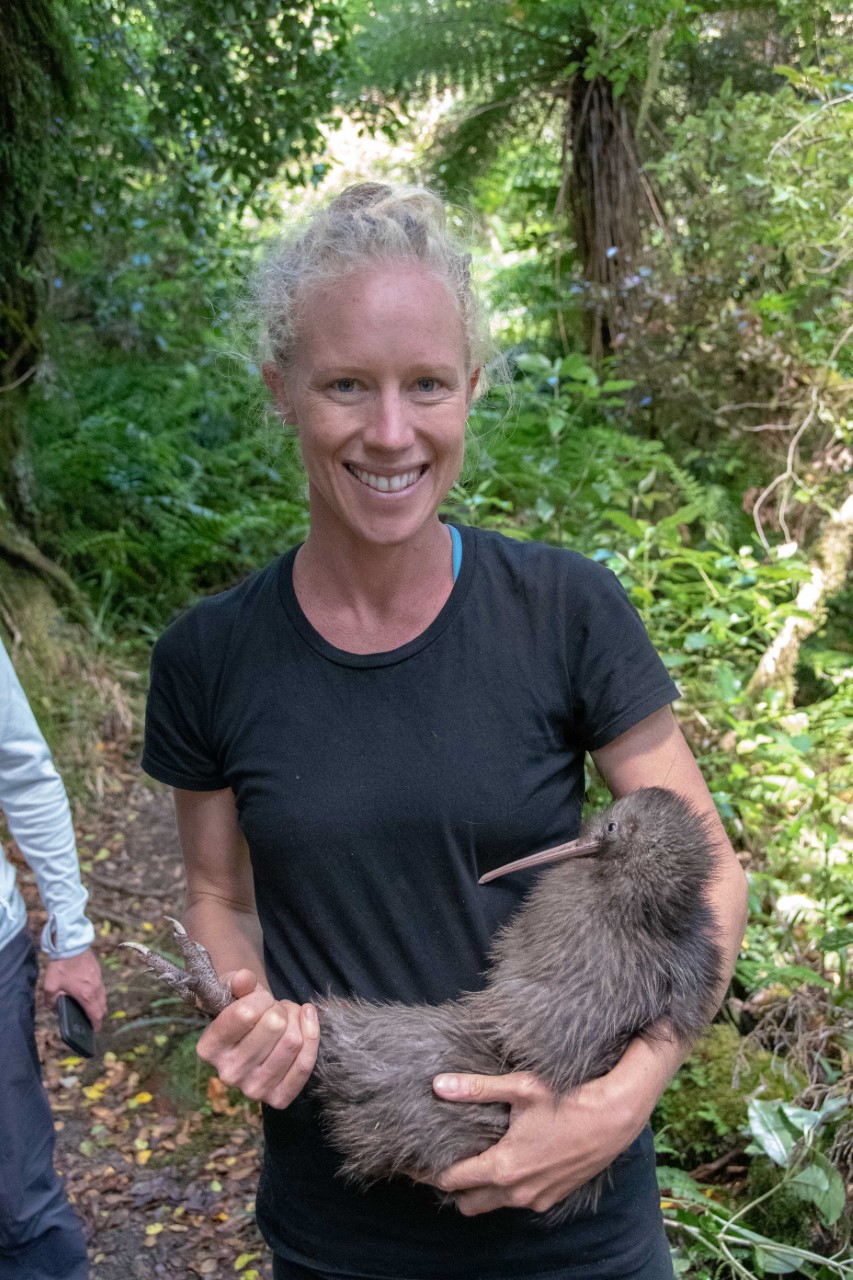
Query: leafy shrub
{"type": "Point", "coordinates": [702, 1113]}
{"type": "Point", "coordinates": [153, 487]}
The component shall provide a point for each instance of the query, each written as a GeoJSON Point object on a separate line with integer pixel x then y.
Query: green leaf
{"type": "Point", "coordinates": [679, 1183]}
{"type": "Point", "coordinates": [696, 640]}
{"type": "Point", "coordinates": [534, 362]}
{"type": "Point", "coordinates": [770, 1131]}
{"type": "Point", "coordinates": [623, 521]}
{"type": "Point", "coordinates": [800, 1118]}
{"type": "Point", "coordinates": [778, 1262]}
{"type": "Point", "coordinates": [684, 515]}
{"type": "Point", "coordinates": [821, 1184]}
{"type": "Point", "coordinates": [835, 939]}
{"type": "Point", "coordinates": [727, 681]}
{"type": "Point", "coordinates": [576, 367]}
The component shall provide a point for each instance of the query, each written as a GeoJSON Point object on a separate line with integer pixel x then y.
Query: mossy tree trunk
{"type": "Point", "coordinates": [36, 87]}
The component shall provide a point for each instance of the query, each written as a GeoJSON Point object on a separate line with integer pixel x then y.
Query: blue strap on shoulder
{"type": "Point", "coordinates": [456, 539]}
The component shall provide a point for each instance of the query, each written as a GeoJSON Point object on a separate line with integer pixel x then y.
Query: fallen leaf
{"type": "Point", "coordinates": [217, 1096]}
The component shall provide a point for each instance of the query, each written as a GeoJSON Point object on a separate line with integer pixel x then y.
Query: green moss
{"type": "Point", "coordinates": [701, 1111]}
{"type": "Point", "coordinates": [185, 1075]}
{"type": "Point", "coordinates": [782, 1216]}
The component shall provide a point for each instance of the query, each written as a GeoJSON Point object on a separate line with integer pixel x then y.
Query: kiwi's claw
{"type": "Point", "coordinates": [198, 983]}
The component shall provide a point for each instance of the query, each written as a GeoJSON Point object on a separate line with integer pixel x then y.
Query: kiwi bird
{"type": "Point", "coordinates": [615, 940]}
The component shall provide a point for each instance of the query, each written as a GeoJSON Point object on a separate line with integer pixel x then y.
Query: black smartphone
{"type": "Point", "coordinates": [74, 1026]}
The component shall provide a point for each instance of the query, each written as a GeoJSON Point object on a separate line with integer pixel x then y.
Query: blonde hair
{"type": "Point", "coordinates": [367, 223]}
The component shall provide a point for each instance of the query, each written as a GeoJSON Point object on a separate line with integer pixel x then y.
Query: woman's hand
{"type": "Point", "coordinates": [265, 1047]}
{"type": "Point", "coordinates": [551, 1146]}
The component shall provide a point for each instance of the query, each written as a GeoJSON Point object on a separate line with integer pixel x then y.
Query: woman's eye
{"type": "Point", "coordinates": [345, 385]}
{"type": "Point", "coordinates": [427, 384]}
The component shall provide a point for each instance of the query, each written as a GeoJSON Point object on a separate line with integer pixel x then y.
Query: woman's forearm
{"type": "Point", "coordinates": [220, 910]}
{"type": "Point", "coordinates": [647, 1067]}
{"type": "Point", "coordinates": [231, 933]}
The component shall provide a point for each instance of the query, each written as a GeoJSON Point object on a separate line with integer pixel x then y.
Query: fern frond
{"type": "Point", "coordinates": [469, 139]}
{"type": "Point", "coordinates": [413, 48]}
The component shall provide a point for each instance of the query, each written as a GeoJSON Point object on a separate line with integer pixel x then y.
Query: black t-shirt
{"type": "Point", "coordinates": [373, 791]}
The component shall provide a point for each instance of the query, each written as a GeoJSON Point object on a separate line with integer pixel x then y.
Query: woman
{"type": "Point", "coordinates": [361, 728]}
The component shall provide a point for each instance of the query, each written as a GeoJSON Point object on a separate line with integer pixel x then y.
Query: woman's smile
{"type": "Point", "coordinates": [396, 482]}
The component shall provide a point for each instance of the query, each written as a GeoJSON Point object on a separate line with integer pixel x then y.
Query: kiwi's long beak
{"type": "Point", "coordinates": [580, 848]}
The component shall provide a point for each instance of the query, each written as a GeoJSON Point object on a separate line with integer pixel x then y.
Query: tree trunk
{"type": "Point", "coordinates": [605, 197]}
{"type": "Point", "coordinates": [36, 87]}
{"type": "Point", "coordinates": [828, 567]}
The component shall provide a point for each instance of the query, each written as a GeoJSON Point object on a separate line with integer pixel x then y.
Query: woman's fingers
{"type": "Point", "coordinates": [234, 1024]}
{"type": "Point", "coordinates": [241, 982]}
{"type": "Point", "coordinates": [515, 1087]}
{"type": "Point", "coordinates": [552, 1146]}
{"type": "Point", "coordinates": [289, 1079]}
{"type": "Point", "coordinates": [265, 1047]}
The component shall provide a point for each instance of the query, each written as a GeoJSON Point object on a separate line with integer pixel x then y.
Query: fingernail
{"type": "Point", "coordinates": [312, 1026]}
{"type": "Point", "coordinates": [447, 1084]}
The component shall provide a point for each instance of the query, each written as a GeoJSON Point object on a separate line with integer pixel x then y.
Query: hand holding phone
{"type": "Point", "coordinates": [74, 1026]}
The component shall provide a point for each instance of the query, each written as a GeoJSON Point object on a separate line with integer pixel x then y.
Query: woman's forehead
{"type": "Point", "coordinates": [400, 303]}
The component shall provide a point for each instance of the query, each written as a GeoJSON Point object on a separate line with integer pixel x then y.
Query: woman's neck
{"type": "Point", "coordinates": [372, 598]}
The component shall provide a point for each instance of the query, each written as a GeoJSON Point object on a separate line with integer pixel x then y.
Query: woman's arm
{"type": "Point", "coordinates": [654, 753]}
{"type": "Point", "coordinates": [265, 1047]}
{"type": "Point", "coordinates": [220, 911]}
{"type": "Point", "coordinates": [549, 1149]}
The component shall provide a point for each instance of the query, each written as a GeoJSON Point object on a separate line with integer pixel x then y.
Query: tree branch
{"type": "Point", "coordinates": [828, 572]}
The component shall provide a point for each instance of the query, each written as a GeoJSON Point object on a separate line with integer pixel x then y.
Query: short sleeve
{"type": "Point", "coordinates": [617, 676]}
{"type": "Point", "coordinates": [177, 749]}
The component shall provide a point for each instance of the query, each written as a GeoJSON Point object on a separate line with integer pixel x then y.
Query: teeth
{"type": "Point", "coordinates": [386, 484]}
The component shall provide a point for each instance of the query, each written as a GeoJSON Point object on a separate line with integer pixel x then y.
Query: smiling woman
{"type": "Point", "coordinates": [378, 344]}
{"type": "Point", "coordinates": [378, 389]}
{"type": "Point", "coordinates": [363, 728]}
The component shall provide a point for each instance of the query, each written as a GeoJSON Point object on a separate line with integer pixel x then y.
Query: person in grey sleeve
{"type": "Point", "coordinates": [40, 1235]}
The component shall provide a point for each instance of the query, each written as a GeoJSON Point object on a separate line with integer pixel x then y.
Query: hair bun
{"type": "Point", "coordinates": [361, 195]}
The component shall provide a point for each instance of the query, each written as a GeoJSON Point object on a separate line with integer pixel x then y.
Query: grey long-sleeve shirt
{"type": "Point", "coordinates": [37, 813]}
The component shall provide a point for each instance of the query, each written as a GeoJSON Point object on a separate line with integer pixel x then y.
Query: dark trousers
{"type": "Point", "coordinates": [40, 1235]}
{"type": "Point", "coordinates": [658, 1267]}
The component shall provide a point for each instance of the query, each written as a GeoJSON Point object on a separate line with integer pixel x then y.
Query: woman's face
{"type": "Point", "coordinates": [379, 390]}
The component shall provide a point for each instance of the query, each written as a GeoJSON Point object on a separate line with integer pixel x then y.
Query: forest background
{"type": "Point", "coordinates": [662, 194]}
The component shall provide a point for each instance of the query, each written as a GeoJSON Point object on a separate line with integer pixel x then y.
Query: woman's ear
{"type": "Point", "coordinates": [274, 380]}
{"type": "Point", "coordinates": [473, 379]}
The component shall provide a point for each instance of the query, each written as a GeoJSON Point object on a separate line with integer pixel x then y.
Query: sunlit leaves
{"type": "Point", "coordinates": [206, 101]}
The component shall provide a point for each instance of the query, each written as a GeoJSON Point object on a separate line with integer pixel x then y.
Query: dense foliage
{"type": "Point", "coordinates": [703, 460]}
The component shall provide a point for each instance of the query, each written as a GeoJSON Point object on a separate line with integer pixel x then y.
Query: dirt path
{"type": "Point", "coordinates": [160, 1160]}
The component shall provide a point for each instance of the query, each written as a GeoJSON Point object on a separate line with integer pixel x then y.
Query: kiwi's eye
{"type": "Point", "coordinates": [611, 827]}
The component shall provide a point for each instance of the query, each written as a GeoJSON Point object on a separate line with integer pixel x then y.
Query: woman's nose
{"type": "Point", "coordinates": [390, 423]}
